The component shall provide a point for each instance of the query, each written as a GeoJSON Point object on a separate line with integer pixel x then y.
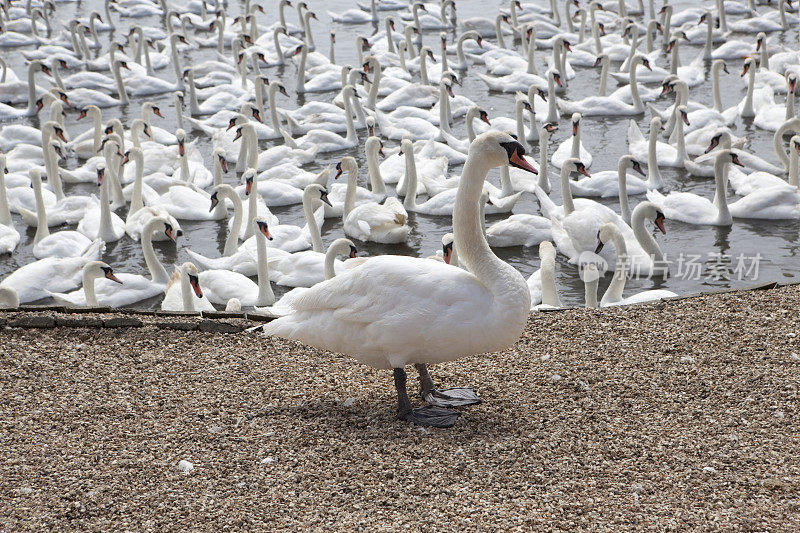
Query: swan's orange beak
{"type": "Point", "coordinates": [353, 252]}
{"type": "Point", "coordinates": [181, 150]}
{"type": "Point", "coordinates": [713, 144]}
{"type": "Point", "coordinates": [195, 283]}
{"type": "Point", "coordinates": [447, 252]}
{"type": "Point", "coordinates": [516, 159]}
{"type": "Point", "coordinates": [248, 187]}
{"type": "Point", "coordinates": [60, 134]}
{"type": "Point", "coordinates": [582, 170]}
{"type": "Point", "coordinates": [110, 275]}
{"type": "Point", "coordinates": [224, 164]}
{"type": "Point", "coordinates": [257, 115]}
{"type": "Point", "coordinates": [82, 114]}
{"type": "Point", "coordinates": [168, 232]}
{"type": "Point", "coordinates": [238, 134]}
{"type": "Point", "coordinates": [264, 229]}
{"type": "Point", "coordinates": [660, 222]}
{"type": "Point", "coordinates": [157, 112]}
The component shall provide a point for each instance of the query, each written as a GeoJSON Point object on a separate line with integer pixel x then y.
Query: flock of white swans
{"type": "Point", "coordinates": [399, 104]}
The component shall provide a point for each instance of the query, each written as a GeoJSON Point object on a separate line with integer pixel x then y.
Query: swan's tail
{"type": "Point", "coordinates": [94, 250]}
{"type": "Point", "coordinates": [200, 126]}
{"type": "Point", "coordinates": [546, 205]}
{"type": "Point", "coordinates": [634, 133]}
{"type": "Point", "coordinates": [28, 216]}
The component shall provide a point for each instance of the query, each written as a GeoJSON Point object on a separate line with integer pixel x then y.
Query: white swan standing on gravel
{"type": "Point", "coordinates": [368, 311]}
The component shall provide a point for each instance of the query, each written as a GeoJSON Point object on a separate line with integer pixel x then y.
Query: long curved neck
{"type": "Point", "coordinates": [644, 238]}
{"type": "Point", "coordinates": [674, 59]}
{"type": "Point", "coordinates": [531, 54]}
{"type": "Point", "coordinates": [601, 91]}
{"type": "Point", "coordinates": [313, 228]}
{"type": "Point", "coordinates": [566, 192]}
{"type": "Point", "coordinates": [617, 286]}
{"type": "Point", "coordinates": [88, 288]}
{"type": "Point", "coordinates": [412, 52]}
{"type": "Point", "coordinates": [5, 212]}
{"type": "Point", "coordinates": [747, 109]}
{"type": "Point", "coordinates": [42, 230]}
{"type": "Point", "coordinates": [444, 119]}
{"type": "Point", "coordinates": [123, 94]}
{"type": "Point", "coordinates": [309, 35]}
{"type": "Point", "coordinates": [423, 68]}
{"type": "Point", "coordinates": [252, 148]}
{"type": "Point", "coordinates": [276, 42]}
{"type": "Point", "coordinates": [793, 171]}
{"type": "Point", "coordinates": [651, 27]}
{"type": "Point", "coordinates": [598, 44]}
{"type": "Point", "coordinates": [589, 293]}
{"type": "Point", "coordinates": [548, 278]}
{"type": "Point", "coordinates": [136, 198]}
{"type": "Point", "coordinates": [720, 192]}
{"type": "Point", "coordinates": [622, 182]}
{"type": "Point", "coordinates": [410, 201]}
{"type": "Point", "coordinates": [51, 169]}
{"type": "Point", "coordinates": [348, 116]}
{"type": "Point", "coordinates": [709, 38]}
{"type": "Point", "coordinates": [105, 231]}
{"type": "Point", "coordinates": [519, 108]}
{"type": "Point", "coordinates": [654, 180]}
{"type": "Point", "coordinates": [789, 105]}
{"type": "Point", "coordinates": [501, 42]}
{"type": "Point", "coordinates": [544, 178]}
{"type": "Point", "coordinates": [301, 71]}
{"type": "Point", "coordinates": [637, 101]}
{"type": "Point", "coordinates": [680, 141]}
{"type": "Point", "coordinates": [462, 60]}
{"type": "Point", "coordinates": [715, 87]}
{"type": "Point", "coordinates": [723, 19]}
{"type": "Point", "coordinates": [265, 294]}
{"type": "Point", "coordinates": [445, 67]}
{"type": "Point", "coordinates": [568, 17]}
{"type": "Point", "coordinates": [470, 126]}
{"type": "Point", "coordinates": [389, 40]}
{"type": "Point", "coordinates": [576, 144]}
{"type": "Point", "coordinates": [552, 110]}
{"type": "Point", "coordinates": [372, 98]}
{"type": "Point", "coordinates": [232, 241]}
{"type": "Point", "coordinates": [186, 293]}
{"type": "Point", "coordinates": [273, 107]}
{"type": "Point", "coordinates": [502, 280]}
{"type": "Point", "coordinates": [376, 182]}
{"type": "Point", "coordinates": [32, 87]}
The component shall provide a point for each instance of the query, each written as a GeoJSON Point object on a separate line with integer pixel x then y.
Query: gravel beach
{"type": "Point", "coordinates": [675, 415]}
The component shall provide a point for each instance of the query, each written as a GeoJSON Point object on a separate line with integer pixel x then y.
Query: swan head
{"type": "Point", "coordinates": [249, 178]}
{"type": "Point", "coordinates": [263, 227]}
{"type": "Point", "coordinates": [748, 64]}
{"type": "Point", "coordinates": [55, 146]}
{"type": "Point", "coordinates": [606, 233]}
{"type": "Point", "coordinates": [547, 252]}
{"type": "Point", "coordinates": [190, 271]}
{"type": "Point", "coordinates": [233, 306]}
{"type": "Point", "coordinates": [795, 143]}
{"type": "Point", "coordinates": [723, 137]}
{"type": "Point", "coordinates": [405, 145]}
{"type": "Point", "coordinates": [152, 108]}
{"type": "Point", "coordinates": [447, 247]}
{"type": "Point", "coordinates": [576, 123]}
{"type": "Point", "coordinates": [684, 114]}
{"type": "Point", "coordinates": [426, 51]}
{"type": "Point", "coordinates": [374, 146]}
{"type": "Point", "coordinates": [219, 158]}
{"type": "Point", "coordinates": [371, 126]}
{"type": "Point", "coordinates": [181, 136]}
{"type": "Point", "coordinates": [99, 269]}
{"type": "Point", "coordinates": [760, 38]}
{"type": "Point", "coordinates": [347, 164]}
{"type": "Point", "coordinates": [791, 81]}
{"type": "Point", "coordinates": [649, 210]}
{"type": "Point", "coordinates": [315, 192]}
{"type": "Point", "coordinates": [499, 148]}
{"type": "Point", "coordinates": [575, 165]}
{"type": "Point", "coordinates": [629, 161]}
{"type": "Point", "coordinates": [640, 59]}
{"type": "Point", "coordinates": [9, 298]}
{"type": "Point", "coordinates": [55, 129]}
{"type": "Point", "coordinates": [483, 115]}
{"type": "Point", "coordinates": [343, 246]}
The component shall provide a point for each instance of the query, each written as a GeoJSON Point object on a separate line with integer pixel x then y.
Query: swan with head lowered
{"type": "Point", "coordinates": [178, 295]}
{"type": "Point", "coordinates": [610, 105]}
{"type": "Point", "coordinates": [135, 287]}
{"type": "Point", "coordinates": [36, 280]}
{"type": "Point", "coordinates": [368, 311]}
{"type": "Point", "coordinates": [613, 295]}
{"type": "Point", "coordinates": [92, 271]}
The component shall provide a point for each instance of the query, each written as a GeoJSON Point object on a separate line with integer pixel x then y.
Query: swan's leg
{"type": "Point", "coordinates": [453, 397]}
{"type": "Point", "coordinates": [429, 415]}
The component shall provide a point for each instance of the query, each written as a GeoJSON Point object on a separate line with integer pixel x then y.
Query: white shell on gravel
{"type": "Point", "coordinates": [185, 466]}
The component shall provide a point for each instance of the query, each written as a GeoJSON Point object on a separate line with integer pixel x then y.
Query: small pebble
{"type": "Point", "coordinates": [185, 466]}
{"type": "Point", "coordinates": [710, 469]}
{"type": "Point", "coordinates": [267, 460]}
{"type": "Point", "coordinates": [349, 402]}
{"type": "Point", "coordinates": [555, 377]}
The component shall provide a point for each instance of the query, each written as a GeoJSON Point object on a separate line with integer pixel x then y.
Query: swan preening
{"type": "Point", "coordinates": [232, 136]}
